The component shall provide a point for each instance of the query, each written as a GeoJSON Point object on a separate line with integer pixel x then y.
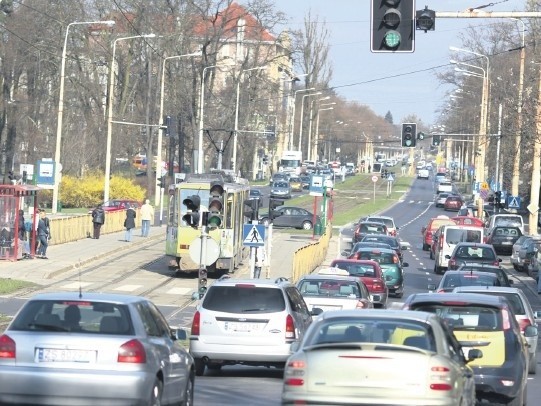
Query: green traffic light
{"type": "Point", "coordinates": [392, 39]}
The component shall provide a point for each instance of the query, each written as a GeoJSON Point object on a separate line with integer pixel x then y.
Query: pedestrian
{"type": "Point", "coordinates": [369, 168]}
{"type": "Point", "coordinates": [98, 219]}
{"type": "Point", "coordinates": [44, 235]}
{"type": "Point", "coordinates": [129, 222]}
{"type": "Point", "coordinates": [22, 252]}
{"type": "Point", "coordinates": [147, 214]}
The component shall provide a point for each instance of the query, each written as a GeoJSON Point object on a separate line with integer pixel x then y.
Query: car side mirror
{"type": "Point", "coordinates": [376, 298]}
{"type": "Point", "coordinates": [295, 346]}
{"type": "Point", "coordinates": [499, 260]}
{"type": "Point", "coordinates": [474, 353]}
{"type": "Point", "coordinates": [316, 311]}
{"type": "Point", "coordinates": [405, 264]}
{"type": "Point", "coordinates": [179, 334]}
{"type": "Point", "coordinates": [431, 287]}
{"type": "Point", "coordinates": [511, 281]}
{"type": "Point", "coordinates": [448, 257]}
{"type": "Point", "coordinates": [345, 253]}
{"type": "Point", "coordinates": [404, 247]}
{"type": "Point", "coordinates": [531, 331]}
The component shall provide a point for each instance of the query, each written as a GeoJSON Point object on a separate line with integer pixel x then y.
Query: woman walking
{"type": "Point", "coordinates": [129, 222]}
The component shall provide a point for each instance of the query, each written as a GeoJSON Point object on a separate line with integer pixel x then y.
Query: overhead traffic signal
{"type": "Point", "coordinates": [193, 204]}
{"type": "Point", "coordinates": [392, 26]}
{"type": "Point", "coordinates": [425, 20]}
{"type": "Point", "coordinates": [436, 140]}
{"type": "Point", "coordinates": [409, 135]}
{"type": "Point", "coordinates": [216, 204]}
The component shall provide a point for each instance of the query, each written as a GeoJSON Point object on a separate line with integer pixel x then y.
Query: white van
{"type": "Point", "coordinates": [507, 219]}
{"type": "Point", "coordinates": [448, 237]}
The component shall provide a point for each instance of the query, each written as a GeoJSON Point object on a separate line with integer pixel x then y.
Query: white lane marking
{"type": "Point", "coordinates": [76, 285]}
{"type": "Point", "coordinates": [128, 288]}
{"type": "Point", "coordinates": [178, 291]}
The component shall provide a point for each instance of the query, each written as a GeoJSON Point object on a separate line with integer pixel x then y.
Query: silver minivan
{"type": "Point", "coordinates": [248, 321]}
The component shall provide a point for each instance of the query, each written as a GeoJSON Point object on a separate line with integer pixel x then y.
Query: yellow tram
{"type": "Point", "coordinates": [225, 198]}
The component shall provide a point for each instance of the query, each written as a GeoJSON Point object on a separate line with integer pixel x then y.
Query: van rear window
{"type": "Point", "coordinates": [249, 300]}
{"type": "Point", "coordinates": [456, 235]}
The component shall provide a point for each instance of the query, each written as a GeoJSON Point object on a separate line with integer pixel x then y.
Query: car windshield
{"type": "Point", "coordinates": [456, 235]}
{"type": "Point", "coordinates": [513, 299]}
{"type": "Point", "coordinates": [280, 184]}
{"type": "Point", "coordinates": [329, 288]}
{"type": "Point", "coordinates": [388, 222]}
{"type": "Point", "coordinates": [383, 258]}
{"type": "Point", "coordinates": [472, 253]}
{"type": "Point", "coordinates": [383, 239]}
{"type": "Point", "coordinates": [373, 229]}
{"type": "Point", "coordinates": [508, 220]}
{"type": "Point", "coordinates": [372, 330]}
{"type": "Point", "coordinates": [81, 316]}
{"type": "Point", "coordinates": [468, 279]}
{"type": "Point", "coordinates": [356, 269]}
{"type": "Point", "coordinates": [244, 299]}
{"type": "Point", "coordinates": [470, 317]}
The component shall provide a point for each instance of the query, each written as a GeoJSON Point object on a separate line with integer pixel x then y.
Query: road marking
{"type": "Point", "coordinates": [178, 291]}
{"type": "Point", "coordinates": [76, 285]}
{"type": "Point", "coordinates": [128, 288]}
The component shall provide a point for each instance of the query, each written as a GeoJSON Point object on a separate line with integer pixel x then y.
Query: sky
{"type": "Point", "coordinates": [400, 83]}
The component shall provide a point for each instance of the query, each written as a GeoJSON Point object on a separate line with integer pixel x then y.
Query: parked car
{"type": "Point", "coordinates": [72, 348]}
{"type": "Point", "coordinates": [371, 274]}
{"type": "Point", "coordinates": [334, 289]}
{"type": "Point", "coordinates": [433, 224]}
{"type": "Point", "coordinates": [118, 205]}
{"type": "Point", "coordinates": [247, 321]}
{"type": "Point", "coordinates": [392, 228]}
{"type": "Point", "coordinates": [395, 352]}
{"type": "Point", "coordinates": [296, 184]}
{"type": "Point", "coordinates": [522, 310]}
{"type": "Point", "coordinates": [471, 252]}
{"type": "Point", "coordinates": [485, 322]}
{"type": "Point", "coordinates": [288, 216]}
{"type": "Point", "coordinates": [453, 279]}
{"type": "Point", "coordinates": [280, 189]}
{"type": "Point", "coordinates": [502, 238]}
{"type": "Point", "coordinates": [368, 227]}
{"type": "Point", "coordinates": [519, 263]}
{"type": "Point", "coordinates": [453, 202]}
{"type": "Point", "coordinates": [390, 264]}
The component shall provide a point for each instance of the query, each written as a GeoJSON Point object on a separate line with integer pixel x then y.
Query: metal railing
{"type": "Point", "coordinates": [309, 257]}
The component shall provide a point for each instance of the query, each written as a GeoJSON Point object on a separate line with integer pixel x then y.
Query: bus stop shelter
{"type": "Point", "coordinates": [13, 199]}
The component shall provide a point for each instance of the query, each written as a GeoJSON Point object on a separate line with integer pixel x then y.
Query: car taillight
{"type": "Point", "coordinates": [196, 324]}
{"type": "Point", "coordinates": [440, 291]}
{"type": "Point", "coordinates": [360, 305]}
{"type": "Point", "coordinates": [506, 321]}
{"type": "Point", "coordinates": [378, 286]}
{"type": "Point", "coordinates": [395, 259]}
{"type": "Point", "coordinates": [440, 242]}
{"type": "Point", "coordinates": [7, 347]}
{"type": "Point", "coordinates": [440, 379]}
{"type": "Point", "coordinates": [452, 263]}
{"type": "Point", "coordinates": [523, 323]}
{"type": "Point", "coordinates": [293, 372]}
{"type": "Point", "coordinates": [496, 263]}
{"type": "Point", "coordinates": [132, 352]}
{"type": "Point", "coordinates": [290, 327]}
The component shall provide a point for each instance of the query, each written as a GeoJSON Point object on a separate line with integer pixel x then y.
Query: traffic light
{"type": "Point", "coordinates": [498, 199]}
{"type": "Point", "coordinates": [25, 177]}
{"type": "Point", "coordinates": [161, 182]}
{"type": "Point", "coordinates": [193, 204]}
{"type": "Point", "coordinates": [202, 282]}
{"type": "Point", "coordinates": [273, 204]}
{"type": "Point", "coordinates": [436, 140]}
{"type": "Point", "coordinates": [167, 126]}
{"type": "Point", "coordinates": [216, 204]}
{"type": "Point", "coordinates": [421, 135]}
{"type": "Point", "coordinates": [253, 211]}
{"type": "Point", "coordinates": [409, 131]}
{"type": "Point", "coordinates": [392, 26]}
{"type": "Point", "coordinates": [425, 20]}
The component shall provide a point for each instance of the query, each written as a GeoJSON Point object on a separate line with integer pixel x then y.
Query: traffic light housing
{"type": "Point", "coordinates": [409, 135]}
{"type": "Point", "coordinates": [392, 26]}
{"type": "Point", "coordinates": [161, 182]}
{"type": "Point", "coordinates": [216, 204]}
{"type": "Point", "coordinates": [253, 208]}
{"type": "Point", "coordinates": [436, 140]}
{"type": "Point", "coordinates": [425, 20]}
{"type": "Point", "coordinates": [273, 204]}
{"type": "Point", "coordinates": [202, 282]}
{"type": "Point", "coordinates": [193, 204]}
{"type": "Point", "coordinates": [167, 126]}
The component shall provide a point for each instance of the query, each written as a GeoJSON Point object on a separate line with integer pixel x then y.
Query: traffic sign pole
{"type": "Point", "coordinates": [374, 180]}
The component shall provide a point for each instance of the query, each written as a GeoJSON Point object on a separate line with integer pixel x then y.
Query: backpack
{"type": "Point", "coordinates": [28, 226]}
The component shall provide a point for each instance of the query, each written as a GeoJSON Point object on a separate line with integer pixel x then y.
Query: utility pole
{"type": "Point", "coordinates": [518, 136]}
{"type": "Point", "coordinates": [533, 207]}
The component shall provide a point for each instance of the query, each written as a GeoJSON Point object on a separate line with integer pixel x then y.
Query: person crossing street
{"type": "Point", "coordinates": [147, 214]}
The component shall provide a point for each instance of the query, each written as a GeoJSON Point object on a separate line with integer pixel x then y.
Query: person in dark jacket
{"type": "Point", "coordinates": [43, 233]}
{"type": "Point", "coordinates": [98, 219]}
{"type": "Point", "coordinates": [129, 223]}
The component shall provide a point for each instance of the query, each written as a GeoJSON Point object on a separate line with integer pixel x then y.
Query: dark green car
{"type": "Point", "coordinates": [390, 265]}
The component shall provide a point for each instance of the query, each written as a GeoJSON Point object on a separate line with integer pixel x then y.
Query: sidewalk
{"type": "Point", "coordinates": [65, 257]}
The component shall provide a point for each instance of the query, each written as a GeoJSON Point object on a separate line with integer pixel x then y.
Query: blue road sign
{"type": "Point", "coordinates": [390, 178]}
{"type": "Point", "coordinates": [253, 235]}
{"type": "Point", "coordinates": [513, 202]}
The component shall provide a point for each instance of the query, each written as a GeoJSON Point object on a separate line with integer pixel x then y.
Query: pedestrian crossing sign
{"type": "Point", "coordinates": [253, 235]}
{"type": "Point", "coordinates": [513, 202]}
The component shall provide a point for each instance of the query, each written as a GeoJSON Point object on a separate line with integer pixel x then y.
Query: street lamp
{"type": "Point", "coordinates": [236, 129]}
{"type": "Point", "coordinates": [61, 109]}
{"type": "Point", "coordinates": [292, 129]}
{"type": "Point", "coordinates": [480, 173]}
{"type": "Point", "coordinates": [302, 116]}
{"type": "Point", "coordinates": [308, 147]}
{"type": "Point", "coordinates": [157, 197]}
{"type": "Point", "coordinates": [110, 113]}
{"type": "Point", "coordinates": [317, 126]}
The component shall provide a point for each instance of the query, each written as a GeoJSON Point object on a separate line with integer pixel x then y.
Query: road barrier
{"type": "Point", "coordinates": [309, 257]}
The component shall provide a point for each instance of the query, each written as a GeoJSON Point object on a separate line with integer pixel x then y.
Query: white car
{"type": "Point", "coordinates": [423, 174]}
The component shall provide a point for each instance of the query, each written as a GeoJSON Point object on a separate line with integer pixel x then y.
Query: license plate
{"type": "Point", "coordinates": [58, 355]}
{"type": "Point", "coordinates": [243, 327]}
{"type": "Point", "coordinates": [506, 242]}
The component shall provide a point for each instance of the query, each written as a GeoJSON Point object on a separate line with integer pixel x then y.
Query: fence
{"type": "Point", "coordinates": [309, 257]}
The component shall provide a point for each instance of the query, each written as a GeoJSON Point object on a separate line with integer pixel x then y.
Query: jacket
{"type": "Point", "coordinates": [43, 229]}
{"type": "Point", "coordinates": [129, 223]}
{"type": "Point", "coordinates": [98, 216]}
{"type": "Point", "coordinates": [147, 212]}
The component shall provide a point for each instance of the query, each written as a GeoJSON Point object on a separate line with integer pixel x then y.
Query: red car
{"type": "Point", "coordinates": [432, 226]}
{"type": "Point", "coordinates": [118, 205]}
{"type": "Point", "coordinates": [468, 221]}
{"type": "Point", "coordinates": [453, 202]}
{"type": "Point", "coordinates": [370, 274]}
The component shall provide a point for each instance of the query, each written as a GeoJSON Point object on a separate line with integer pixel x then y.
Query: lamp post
{"type": "Point", "coordinates": [110, 113]}
{"type": "Point", "coordinates": [516, 161]}
{"type": "Point", "coordinates": [236, 130]}
{"type": "Point", "coordinates": [302, 116]}
{"type": "Point", "coordinates": [308, 149]}
{"type": "Point", "coordinates": [292, 127]}
{"type": "Point", "coordinates": [316, 143]}
{"type": "Point", "coordinates": [480, 167]}
{"type": "Point", "coordinates": [160, 132]}
{"type": "Point", "coordinates": [61, 109]}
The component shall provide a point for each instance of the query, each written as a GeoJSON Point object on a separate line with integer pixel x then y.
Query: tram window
{"type": "Point", "coordinates": [173, 211]}
{"type": "Point", "coordinates": [229, 214]}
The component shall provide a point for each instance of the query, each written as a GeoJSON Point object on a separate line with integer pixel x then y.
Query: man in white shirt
{"type": "Point", "coordinates": [147, 214]}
